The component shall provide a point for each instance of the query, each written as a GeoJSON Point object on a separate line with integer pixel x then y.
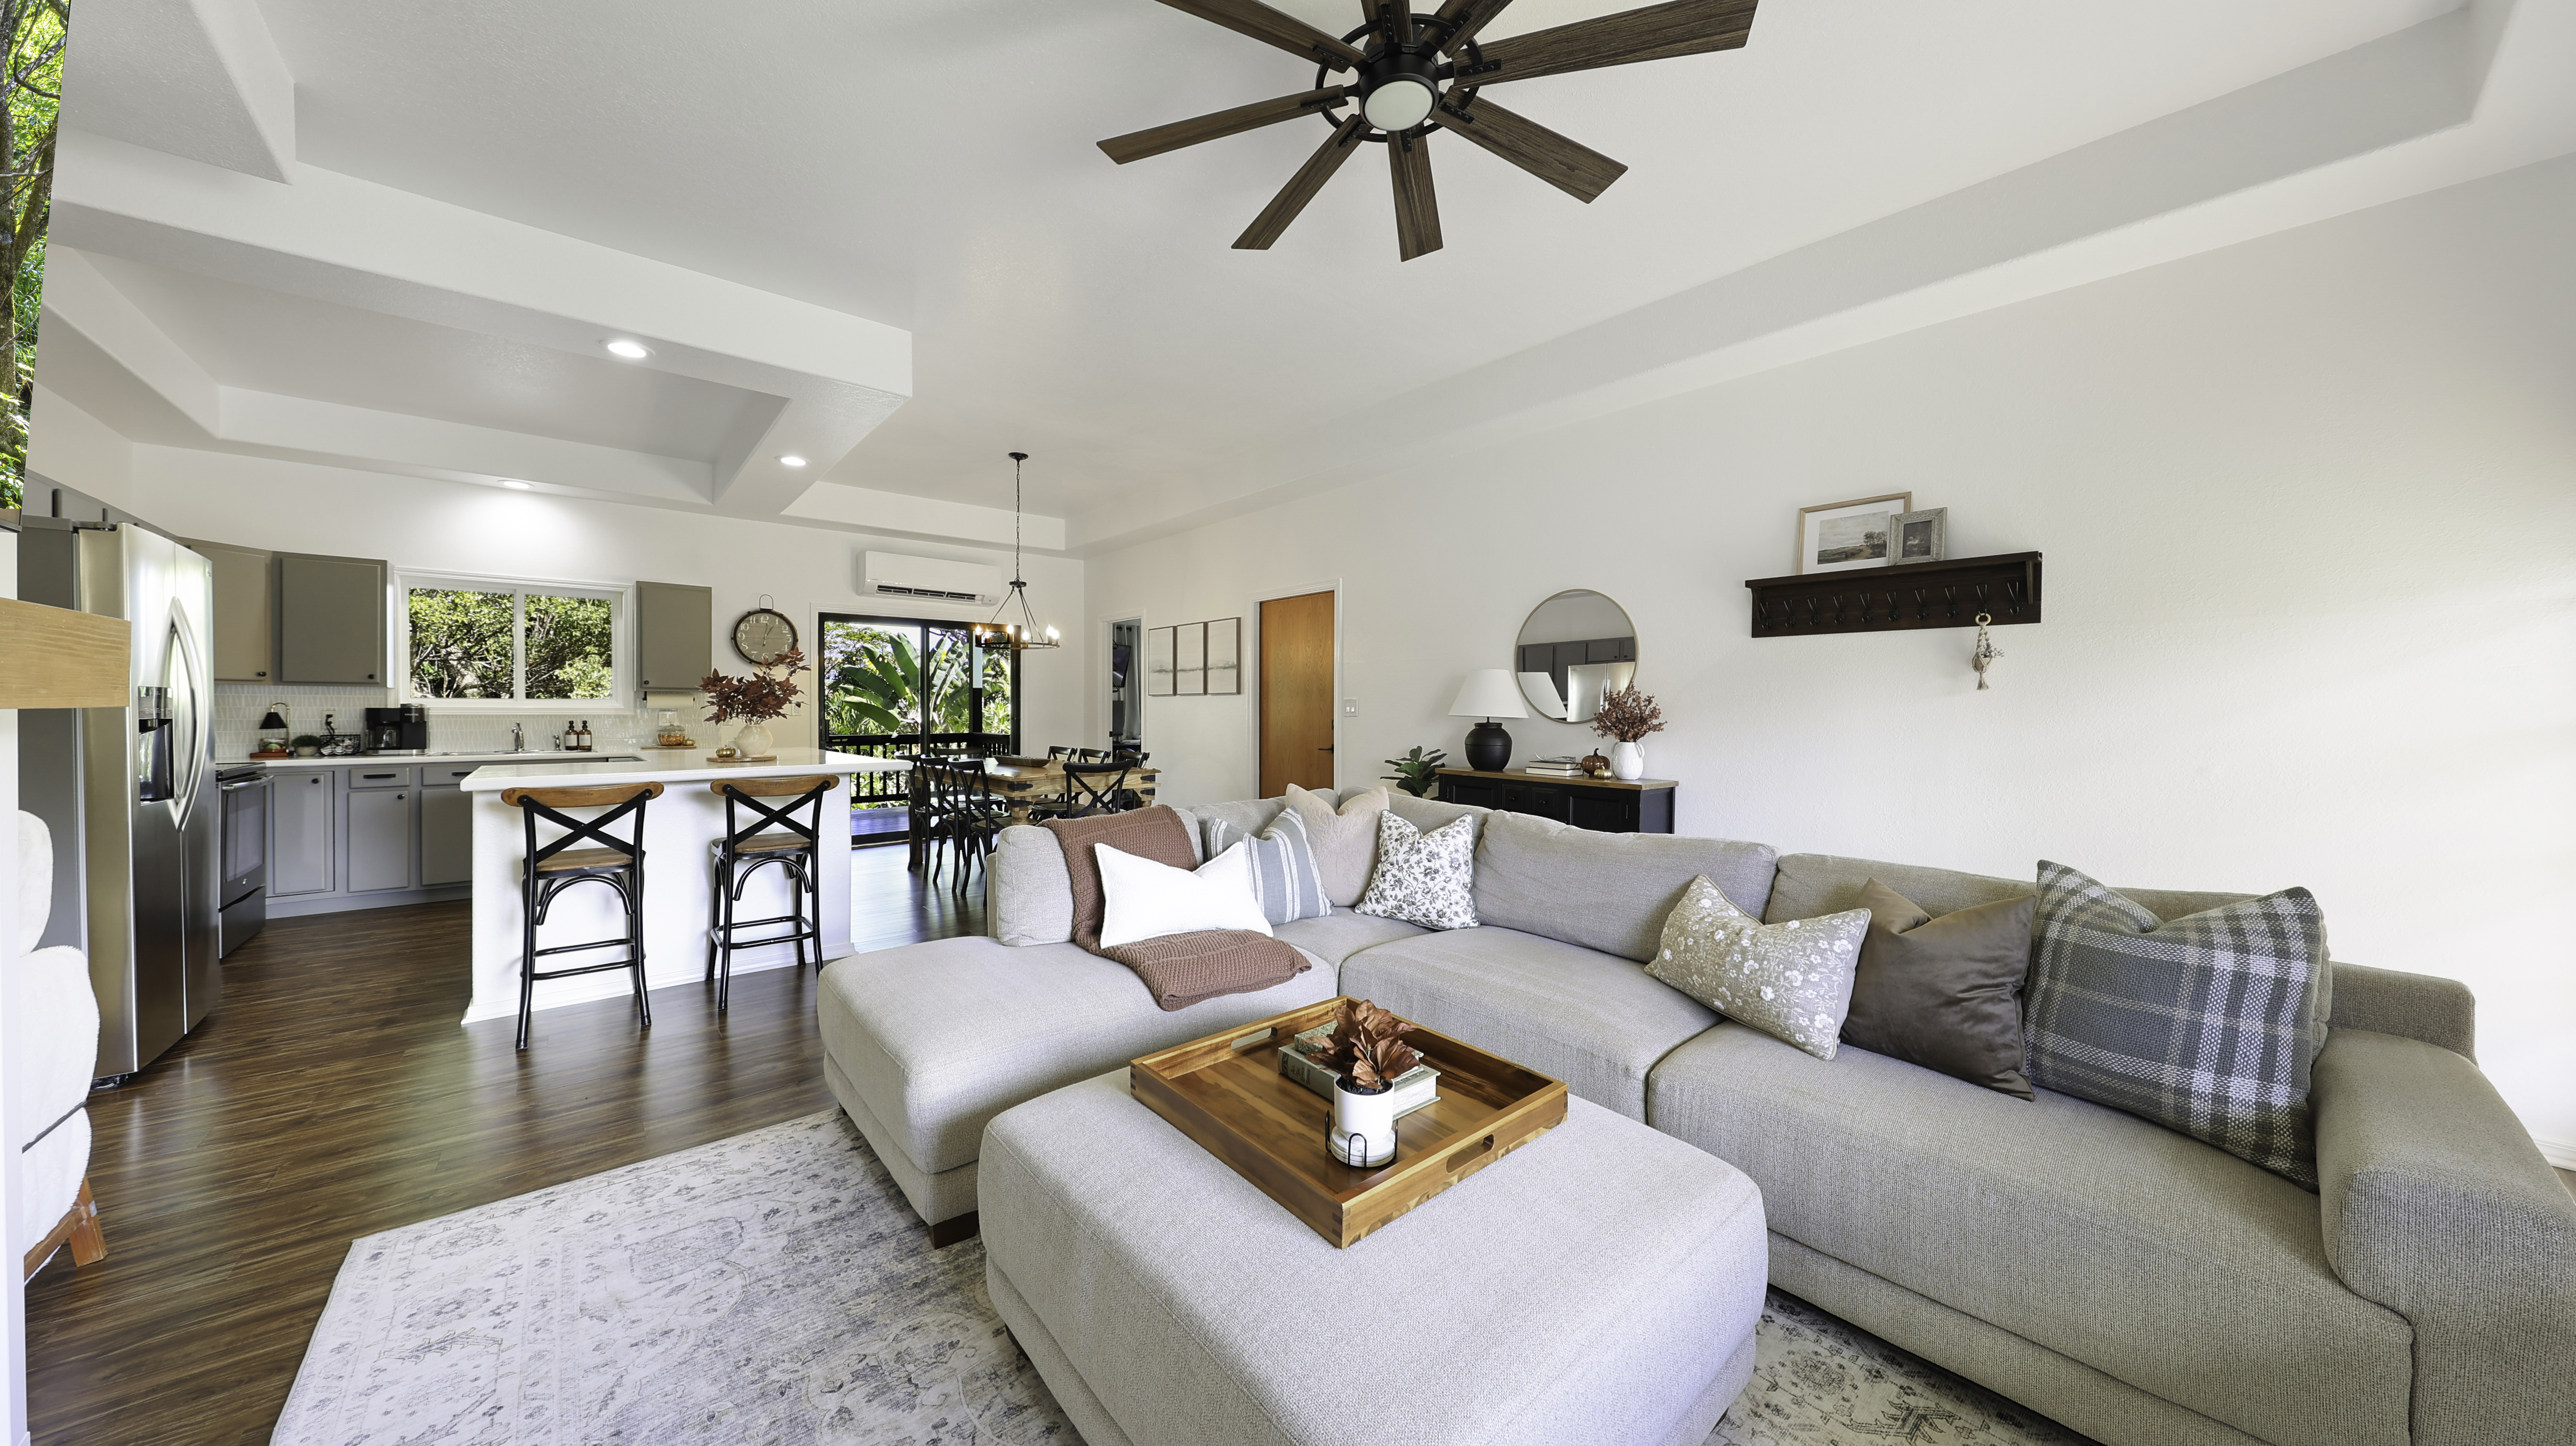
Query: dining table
{"type": "Point", "coordinates": [1030, 784]}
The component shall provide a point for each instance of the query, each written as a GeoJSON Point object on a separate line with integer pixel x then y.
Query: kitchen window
{"type": "Point", "coordinates": [470, 640]}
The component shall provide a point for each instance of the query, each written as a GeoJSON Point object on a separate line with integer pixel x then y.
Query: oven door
{"type": "Point", "coordinates": [245, 829]}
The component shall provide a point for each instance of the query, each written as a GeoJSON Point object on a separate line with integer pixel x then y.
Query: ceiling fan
{"type": "Point", "coordinates": [1399, 62]}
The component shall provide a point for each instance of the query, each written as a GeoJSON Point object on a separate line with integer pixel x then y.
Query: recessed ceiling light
{"type": "Point", "coordinates": [516, 485]}
{"type": "Point", "coordinates": [791, 460]}
{"type": "Point", "coordinates": [631, 350]}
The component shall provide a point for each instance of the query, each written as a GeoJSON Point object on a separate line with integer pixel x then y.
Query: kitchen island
{"type": "Point", "coordinates": [678, 828]}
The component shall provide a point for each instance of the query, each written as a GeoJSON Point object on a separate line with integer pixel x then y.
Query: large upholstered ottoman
{"type": "Point", "coordinates": [1597, 1286]}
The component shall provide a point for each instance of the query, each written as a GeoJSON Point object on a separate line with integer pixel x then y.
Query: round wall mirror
{"type": "Point", "coordinates": [1575, 647]}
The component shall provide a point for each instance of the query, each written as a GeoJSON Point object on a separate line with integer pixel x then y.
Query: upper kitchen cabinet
{"type": "Point", "coordinates": [245, 612]}
{"type": "Point", "coordinates": [330, 620]}
{"type": "Point", "coordinates": [675, 628]}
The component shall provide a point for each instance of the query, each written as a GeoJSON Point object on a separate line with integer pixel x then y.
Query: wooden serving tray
{"type": "Point", "coordinates": [1226, 1092]}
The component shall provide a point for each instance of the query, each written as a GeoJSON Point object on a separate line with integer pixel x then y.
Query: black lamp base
{"type": "Point", "coordinates": [1488, 747]}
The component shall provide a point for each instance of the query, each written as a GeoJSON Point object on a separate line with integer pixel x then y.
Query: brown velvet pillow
{"type": "Point", "coordinates": [1943, 993]}
{"type": "Point", "coordinates": [1155, 833]}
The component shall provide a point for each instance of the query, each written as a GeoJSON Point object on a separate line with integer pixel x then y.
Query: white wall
{"type": "Point", "coordinates": [296, 507]}
{"type": "Point", "coordinates": [78, 450]}
{"type": "Point", "coordinates": [2309, 511]}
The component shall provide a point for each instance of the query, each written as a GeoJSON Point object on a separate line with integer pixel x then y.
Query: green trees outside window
{"type": "Point", "coordinates": [523, 644]}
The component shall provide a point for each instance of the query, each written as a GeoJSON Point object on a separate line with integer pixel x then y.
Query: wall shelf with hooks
{"type": "Point", "coordinates": [1946, 594]}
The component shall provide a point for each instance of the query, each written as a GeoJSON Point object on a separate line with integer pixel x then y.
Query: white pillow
{"type": "Point", "coordinates": [1141, 899]}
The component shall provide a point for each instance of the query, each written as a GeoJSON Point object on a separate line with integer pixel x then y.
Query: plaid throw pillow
{"type": "Point", "coordinates": [2203, 1024]}
{"type": "Point", "coordinates": [1283, 866]}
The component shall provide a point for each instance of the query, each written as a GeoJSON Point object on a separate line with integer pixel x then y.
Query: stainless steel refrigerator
{"type": "Point", "coordinates": [130, 792]}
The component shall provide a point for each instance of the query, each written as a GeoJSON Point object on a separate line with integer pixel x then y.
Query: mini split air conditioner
{"type": "Point", "coordinates": [893, 574]}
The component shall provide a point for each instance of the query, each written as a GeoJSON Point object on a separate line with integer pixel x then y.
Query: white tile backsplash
{"type": "Point", "coordinates": [240, 706]}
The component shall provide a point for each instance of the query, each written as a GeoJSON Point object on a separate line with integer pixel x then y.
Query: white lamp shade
{"type": "Point", "coordinates": [1489, 693]}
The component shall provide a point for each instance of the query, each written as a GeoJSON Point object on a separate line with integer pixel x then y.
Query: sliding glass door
{"type": "Point", "coordinates": [894, 687]}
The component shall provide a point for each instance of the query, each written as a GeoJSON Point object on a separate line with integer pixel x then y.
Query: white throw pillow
{"type": "Point", "coordinates": [1141, 899]}
{"type": "Point", "coordinates": [1424, 878]}
{"type": "Point", "coordinates": [1792, 981]}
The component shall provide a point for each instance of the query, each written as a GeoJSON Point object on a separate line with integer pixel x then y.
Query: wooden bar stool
{"type": "Point", "coordinates": [745, 848]}
{"type": "Point", "coordinates": [548, 870]}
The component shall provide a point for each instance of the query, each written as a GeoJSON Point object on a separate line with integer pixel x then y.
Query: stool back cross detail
{"type": "Point", "coordinates": [550, 869]}
{"type": "Point", "coordinates": [772, 835]}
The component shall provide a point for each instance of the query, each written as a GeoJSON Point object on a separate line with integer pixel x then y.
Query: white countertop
{"type": "Point", "coordinates": [672, 765]}
{"type": "Point", "coordinates": [371, 760]}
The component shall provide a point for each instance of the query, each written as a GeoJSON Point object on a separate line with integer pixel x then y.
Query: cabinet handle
{"type": "Point", "coordinates": [399, 797]}
{"type": "Point", "coordinates": [262, 673]}
{"type": "Point", "coordinates": [375, 775]}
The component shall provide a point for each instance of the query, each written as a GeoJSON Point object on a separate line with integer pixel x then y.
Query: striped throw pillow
{"type": "Point", "coordinates": [1283, 866]}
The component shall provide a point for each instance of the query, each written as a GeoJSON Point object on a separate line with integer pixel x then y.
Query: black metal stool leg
{"type": "Point", "coordinates": [635, 942]}
{"type": "Point", "coordinates": [527, 955]}
{"type": "Point", "coordinates": [713, 911]}
{"type": "Point", "coordinates": [728, 883]}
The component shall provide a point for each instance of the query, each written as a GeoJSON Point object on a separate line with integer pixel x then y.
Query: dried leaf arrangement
{"type": "Point", "coordinates": [1365, 1046]}
{"type": "Point", "coordinates": [1628, 715]}
{"type": "Point", "coordinates": [768, 693]}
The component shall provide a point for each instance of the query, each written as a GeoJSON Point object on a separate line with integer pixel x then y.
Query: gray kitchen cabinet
{"type": "Point", "coordinates": [245, 621]}
{"type": "Point", "coordinates": [446, 835]}
{"type": "Point", "coordinates": [675, 627]}
{"type": "Point", "coordinates": [330, 620]}
{"type": "Point", "coordinates": [299, 847]}
{"type": "Point", "coordinates": [380, 835]}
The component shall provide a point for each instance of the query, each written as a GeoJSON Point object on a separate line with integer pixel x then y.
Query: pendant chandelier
{"type": "Point", "coordinates": [1024, 635]}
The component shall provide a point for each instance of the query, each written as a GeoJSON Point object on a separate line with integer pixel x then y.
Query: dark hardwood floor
{"type": "Point", "coordinates": [333, 1095]}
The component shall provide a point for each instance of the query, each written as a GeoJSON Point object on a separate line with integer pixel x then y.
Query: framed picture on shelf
{"type": "Point", "coordinates": [1225, 655]}
{"type": "Point", "coordinates": [1189, 659]}
{"type": "Point", "coordinates": [1918, 536]}
{"type": "Point", "coordinates": [1840, 536]}
{"type": "Point", "coordinates": [1158, 662]}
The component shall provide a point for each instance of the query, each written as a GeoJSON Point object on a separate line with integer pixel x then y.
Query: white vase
{"type": "Point", "coordinates": [1628, 761]}
{"type": "Point", "coordinates": [754, 741]}
{"type": "Point", "coordinates": [1368, 1115]}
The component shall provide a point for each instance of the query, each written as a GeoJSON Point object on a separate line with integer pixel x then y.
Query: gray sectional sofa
{"type": "Point", "coordinates": [2126, 1280]}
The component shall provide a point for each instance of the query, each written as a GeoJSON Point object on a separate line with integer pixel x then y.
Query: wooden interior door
{"type": "Point", "coordinates": [1296, 693]}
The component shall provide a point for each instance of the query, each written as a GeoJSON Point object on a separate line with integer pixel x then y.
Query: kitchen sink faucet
{"type": "Point", "coordinates": [518, 741]}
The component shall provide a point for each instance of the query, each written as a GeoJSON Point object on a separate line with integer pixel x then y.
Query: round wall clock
{"type": "Point", "coordinates": [764, 635]}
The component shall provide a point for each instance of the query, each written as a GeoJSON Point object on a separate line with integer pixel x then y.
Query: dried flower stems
{"type": "Point", "coordinates": [1628, 715]}
{"type": "Point", "coordinates": [759, 697]}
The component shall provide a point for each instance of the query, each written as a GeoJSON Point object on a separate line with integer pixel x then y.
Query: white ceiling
{"type": "Point", "coordinates": [931, 167]}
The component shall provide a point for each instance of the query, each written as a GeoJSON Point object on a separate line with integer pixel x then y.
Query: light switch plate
{"type": "Point", "coordinates": [1350, 707]}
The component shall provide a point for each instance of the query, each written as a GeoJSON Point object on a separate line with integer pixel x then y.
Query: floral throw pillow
{"type": "Point", "coordinates": [1792, 981]}
{"type": "Point", "coordinates": [1424, 878]}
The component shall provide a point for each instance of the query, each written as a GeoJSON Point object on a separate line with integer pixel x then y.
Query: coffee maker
{"type": "Point", "coordinates": [398, 730]}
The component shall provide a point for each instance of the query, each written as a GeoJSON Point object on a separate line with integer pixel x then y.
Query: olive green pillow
{"type": "Point", "coordinates": [1943, 993]}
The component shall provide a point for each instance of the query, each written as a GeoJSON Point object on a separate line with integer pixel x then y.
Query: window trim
{"type": "Point", "coordinates": [621, 639]}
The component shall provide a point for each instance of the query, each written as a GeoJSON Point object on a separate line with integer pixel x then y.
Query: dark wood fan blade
{"type": "Point", "coordinates": [1140, 144]}
{"type": "Point", "coordinates": [1417, 212]}
{"type": "Point", "coordinates": [1301, 188]}
{"type": "Point", "coordinates": [1393, 19]}
{"type": "Point", "coordinates": [1577, 170]}
{"type": "Point", "coordinates": [1465, 18]}
{"type": "Point", "coordinates": [1658, 32]}
{"type": "Point", "coordinates": [1251, 17]}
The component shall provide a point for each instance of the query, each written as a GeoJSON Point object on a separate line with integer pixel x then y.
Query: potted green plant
{"type": "Point", "coordinates": [1417, 772]}
{"type": "Point", "coordinates": [768, 693]}
{"type": "Point", "coordinates": [306, 745]}
{"type": "Point", "coordinates": [1628, 716]}
{"type": "Point", "coordinates": [1368, 1051]}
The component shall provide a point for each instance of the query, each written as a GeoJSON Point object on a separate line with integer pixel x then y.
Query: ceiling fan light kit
{"type": "Point", "coordinates": [1399, 61]}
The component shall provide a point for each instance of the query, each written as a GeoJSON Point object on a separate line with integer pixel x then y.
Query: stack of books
{"type": "Point", "coordinates": [1419, 1086]}
{"type": "Point", "coordinates": [1567, 767]}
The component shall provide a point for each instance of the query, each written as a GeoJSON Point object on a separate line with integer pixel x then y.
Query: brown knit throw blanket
{"type": "Point", "coordinates": [1179, 969]}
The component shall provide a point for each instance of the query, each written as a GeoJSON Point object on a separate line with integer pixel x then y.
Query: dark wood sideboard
{"type": "Point", "coordinates": [1604, 805]}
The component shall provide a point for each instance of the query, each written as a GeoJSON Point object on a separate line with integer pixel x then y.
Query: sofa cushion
{"type": "Point", "coordinates": [2198, 1023]}
{"type": "Point", "coordinates": [1944, 993]}
{"type": "Point", "coordinates": [1245, 815]}
{"type": "Point", "coordinates": [1028, 891]}
{"type": "Point", "coordinates": [1427, 814]}
{"type": "Point", "coordinates": [938, 1037]}
{"type": "Point", "coordinates": [2142, 1253]}
{"type": "Point", "coordinates": [1605, 891]}
{"type": "Point", "coordinates": [1343, 838]}
{"type": "Point", "coordinates": [1595, 1021]}
{"type": "Point", "coordinates": [1423, 878]}
{"type": "Point", "coordinates": [1283, 867]}
{"type": "Point", "coordinates": [1342, 933]}
{"type": "Point", "coordinates": [1792, 981]}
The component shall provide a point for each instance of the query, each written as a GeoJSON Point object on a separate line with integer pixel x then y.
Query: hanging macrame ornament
{"type": "Point", "coordinates": [1986, 653]}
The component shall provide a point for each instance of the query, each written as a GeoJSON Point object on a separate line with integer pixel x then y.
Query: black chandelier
{"type": "Point", "coordinates": [1024, 635]}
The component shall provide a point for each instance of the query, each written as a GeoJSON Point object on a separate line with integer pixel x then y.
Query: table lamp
{"type": "Point", "coordinates": [1488, 693]}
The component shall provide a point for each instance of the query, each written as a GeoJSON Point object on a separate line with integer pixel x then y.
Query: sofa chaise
{"type": "Point", "coordinates": [2129, 1281]}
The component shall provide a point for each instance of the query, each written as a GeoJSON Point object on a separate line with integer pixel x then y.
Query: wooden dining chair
{"type": "Point", "coordinates": [1091, 789]}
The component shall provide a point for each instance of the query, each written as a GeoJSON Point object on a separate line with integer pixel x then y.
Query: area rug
{"type": "Point", "coordinates": [774, 1290]}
